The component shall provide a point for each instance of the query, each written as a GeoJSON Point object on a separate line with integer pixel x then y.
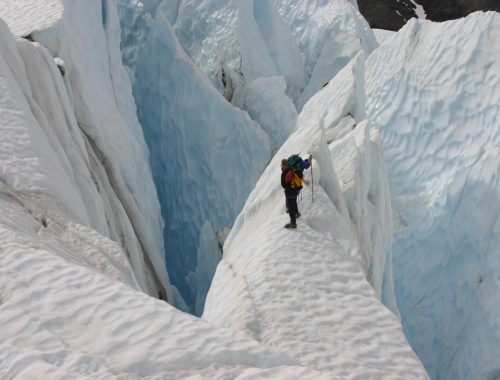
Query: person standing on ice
{"type": "Point", "coordinates": [291, 180]}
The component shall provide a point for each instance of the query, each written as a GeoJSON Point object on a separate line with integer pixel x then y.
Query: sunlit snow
{"type": "Point", "coordinates": [402, 221]}
{"type": "Point", "coordinates": [434, 91]}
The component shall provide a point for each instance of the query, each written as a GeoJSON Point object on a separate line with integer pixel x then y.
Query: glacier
{"type": "Point", "coordinates": [206, 155]}
{"type": "Point", "coordinates": [71, 299]}
{"type": "Point", "coordinates": [404, 134]}
{"type": "Point", "coordinates": [433, 90]}
{"type": "Point", "coordinates": [80, 138]}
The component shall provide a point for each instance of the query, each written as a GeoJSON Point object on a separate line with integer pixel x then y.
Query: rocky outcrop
{"type": "Point", "coordinates": [393, 14]}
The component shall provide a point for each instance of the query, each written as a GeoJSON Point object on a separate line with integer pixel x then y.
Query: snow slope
{"type": "Point", "coordinates": [70, 309]}
{"type": "Point", "coordinates": [305, 291]}
{"type": "Point", "coordinates": [433, 89]}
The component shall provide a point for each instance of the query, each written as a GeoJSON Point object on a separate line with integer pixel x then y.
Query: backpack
{"type": "Point", "coordinates": [295, 162]}
{"type": "Point", "coordinates": [293, 179]}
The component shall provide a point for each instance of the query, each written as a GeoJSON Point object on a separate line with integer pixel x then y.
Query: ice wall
{"type": "Point", "coordinates": [206, 155]}
{"type": "Point", "coordinates": [433, 89]}
{"type": "Point", "coordinates": [89, 127]}
{"type": "Point", "coordinates": [310, 292]}
{"type": "Point", "coordinates": [329, 35]}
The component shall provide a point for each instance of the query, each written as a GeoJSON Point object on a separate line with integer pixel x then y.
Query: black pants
{"type": "Point", "coordinates": [293, 209]}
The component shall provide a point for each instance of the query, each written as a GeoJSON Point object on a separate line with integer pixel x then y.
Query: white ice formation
{"type": "Point", "coordinates": [79, 153]}
{"type": "Point", "coordinates": [433, 89]}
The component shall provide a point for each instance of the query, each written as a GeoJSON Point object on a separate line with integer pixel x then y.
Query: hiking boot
{"type": "Point", "coordinates": [298, 214]}
{"type": "Point", "coordinates": [290, 225]}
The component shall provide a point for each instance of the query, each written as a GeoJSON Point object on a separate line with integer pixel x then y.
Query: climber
{"type": "Point", "coordinates": [291, 180]}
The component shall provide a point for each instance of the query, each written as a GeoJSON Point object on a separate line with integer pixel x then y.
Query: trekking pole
{"type": "Point", "coordinates": [312, 182]}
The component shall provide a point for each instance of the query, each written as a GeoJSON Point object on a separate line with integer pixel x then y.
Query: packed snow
{"type": "Point", "coordinates": [75, 138]}
{"type": "Point", "coordinates": [383, 35]}
{"type": "Point", "coordinates": [71, 304]}
{"type": "Point", "coordinates": [434, 91]}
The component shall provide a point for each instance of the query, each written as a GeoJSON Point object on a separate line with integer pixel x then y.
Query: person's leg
{"type": "Point", "coordinates": [297, 212]}
{"type": "Point", "coordinates": [289, 208]}
{"type": "Point", "coordinates": [293, 209]}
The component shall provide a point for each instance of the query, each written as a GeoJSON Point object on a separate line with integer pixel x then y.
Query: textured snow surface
{"type": "Point", "coordinates": [383, 35]}
{"type": "Point", "coordinates": [70, 309]}
{"type": "Point", "coordinates": [305, 291]}
{"type": "Point", "coordinates": [329, 35]}
{"type": "Point", "coordinates": [27, 16]}
{"type": "Point", "coordinates": [79, 133]}
{"type": "Point", "coordinates": [434, 92]}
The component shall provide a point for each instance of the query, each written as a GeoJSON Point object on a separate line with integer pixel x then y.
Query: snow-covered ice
{"type": "Point", "coordinates": [253, 55]}
{"type": "Point", "coordinates": [80, 222]}
{"type": "Point", "coordinates": [27, 16]}
{"type": "Point", "coordinates": [80, 132]}
{"type": "Point", "coordinates": [329, 35]}
{"type": "Point", "coordinates": [383, 35]}
{"type": "Point", "coordinates": [434, 91]}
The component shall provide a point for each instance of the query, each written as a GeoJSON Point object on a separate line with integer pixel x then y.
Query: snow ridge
{"type": "Point", "coordinates": [305, 292]}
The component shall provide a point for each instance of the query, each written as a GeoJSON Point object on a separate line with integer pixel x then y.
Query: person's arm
{"type": "Point", "coordinates": [307, 162]}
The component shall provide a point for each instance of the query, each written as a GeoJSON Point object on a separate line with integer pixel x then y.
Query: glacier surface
{"type": "Point", "coordinates": [82, 136]}
{"type": "Point", "coordinates": [433, 89]}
